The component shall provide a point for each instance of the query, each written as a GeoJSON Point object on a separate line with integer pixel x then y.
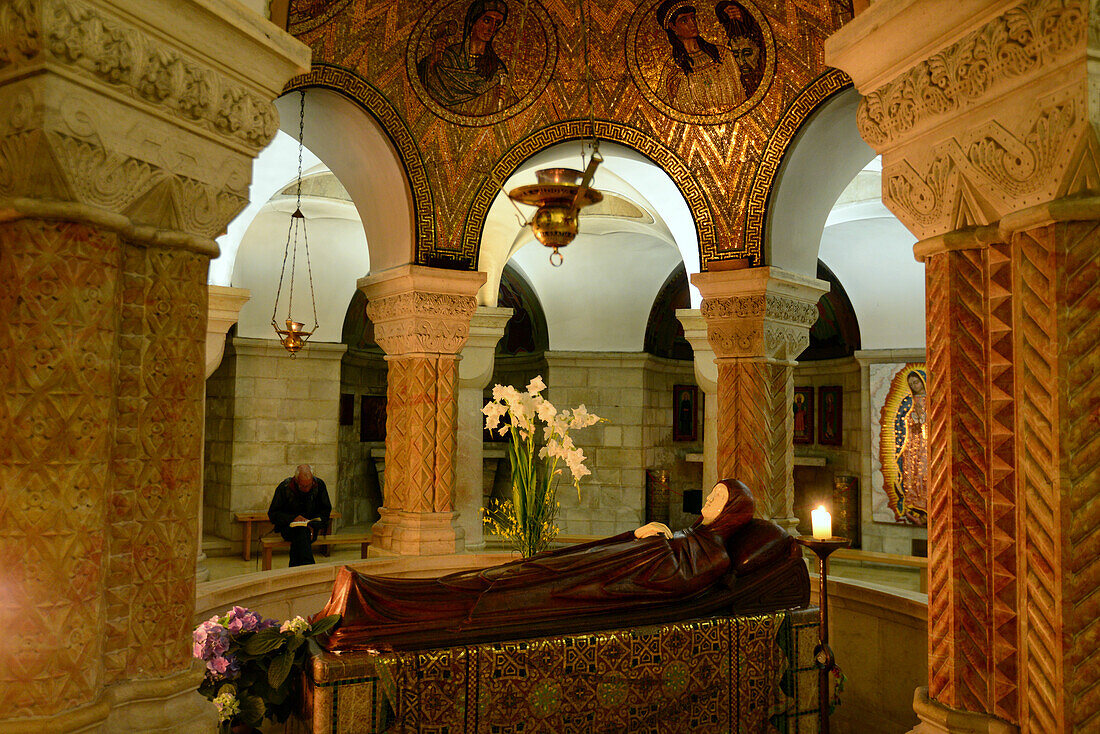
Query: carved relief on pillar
{"type": "Point", "coordinates": [1057, 411]}
{"type": "Point", "coordinates": [993, 122]}
{"type": "Point", "coordinates": [771, 326]}
{"type": "Point", "coordinates": [129, 123]}
{"type": "Point", "coordinates": [755, 424]}
{"type": "Point", "coordinates": [960, 597]}
{"type": "Point", "coordinates": [417, 322]}
{"type": "Point", "coordinates": [57, 337]}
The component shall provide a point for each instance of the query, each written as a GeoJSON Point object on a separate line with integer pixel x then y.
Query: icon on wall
{"type": "Point", "coordinates": [900, 425]}
{"type": "Point", "coordinates": [480, 62]}
{"type": "Point", "coordinates": [830, 415]}
{"type": "Point", "coordinates": [701, 62]}
{"type": "Point", "coordinates": [803, 409]}
{"type": "Point", "coordinates": [685, 413]}
{"type": "Point", "coordinates": [372, 418]}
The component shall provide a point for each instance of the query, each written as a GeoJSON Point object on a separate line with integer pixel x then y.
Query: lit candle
{"type": "Point", "coordinates": [823, 523]}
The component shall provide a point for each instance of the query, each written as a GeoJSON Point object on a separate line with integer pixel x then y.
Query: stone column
{"type": "Point", "coordinates": [223, 307]}
{"type": "Point", "coordinates": [421, 320]}
{"type": "Point", "coordinates": [993, 167]}
{"type": "Point", "coordinates": [474, 372]}
{"type": "Point", "coordinates": [758, 322]}
{"type": "Point", "coordinates": [706, 377]}
{"type": "Point", "coordinates": [127, 130]}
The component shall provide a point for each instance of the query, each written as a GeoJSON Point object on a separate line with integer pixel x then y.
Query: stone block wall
{"type": "Point", "coordinates": [284, 413]}
{"type": "Point", "coordinates": [661, 452]}
{"type": "Point", "coordinates": [815, 482]}
{"type": "Point", "coordinates": [218, 447]}
{"type": "Point", "coordinates": [360, 491]}
{"type": "Point", "coordinates": [618, 387]}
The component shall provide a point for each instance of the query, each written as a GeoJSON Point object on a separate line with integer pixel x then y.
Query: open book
{"type": "Point", "coordinates": [304, 523]}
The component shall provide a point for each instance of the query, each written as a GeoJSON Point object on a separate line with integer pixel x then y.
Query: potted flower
{"type": "Point", "coordinates": [527, 521]}
{"type": "Point", "coordinates": [252, 664]}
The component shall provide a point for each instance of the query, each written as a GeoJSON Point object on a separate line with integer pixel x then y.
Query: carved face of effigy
{"type": "Point", "coordinates": [716, 501]}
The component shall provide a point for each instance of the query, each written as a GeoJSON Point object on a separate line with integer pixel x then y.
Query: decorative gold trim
{"type": "Point", "coordinates": [613, 132]}
{"type": "Point", "coordinates": [794, 117]}
{"type": "Point", "coordinates": [363, 93]}
{"type": "Point", "coordinates": [536, 11]}
{"type": "Point", "coordinates": [645, 12]}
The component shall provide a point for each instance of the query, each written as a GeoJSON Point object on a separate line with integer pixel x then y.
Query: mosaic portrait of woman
{"type": "Point", "coordinates": [700, 62]}
{"type": "Point", "coordinates": [472, 63]}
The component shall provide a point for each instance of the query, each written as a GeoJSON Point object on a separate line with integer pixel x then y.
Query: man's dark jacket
{"type": "Point", "coordinates": [288, 503]}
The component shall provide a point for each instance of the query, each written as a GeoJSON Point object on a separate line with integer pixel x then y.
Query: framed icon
{"type": "Point", "coordinates": [685, 413]}
{"type": "Point", "coordinates": [830, 426]}
{"type": "Point", "coordinates": [803, 408]}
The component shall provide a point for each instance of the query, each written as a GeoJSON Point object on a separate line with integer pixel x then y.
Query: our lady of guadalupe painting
{"type": "Point", "coordinates": [701, 62]}
{"type": "Point", "coordinates": [480, 62]}
{"type": "Point", "coordinates": [902, 443]}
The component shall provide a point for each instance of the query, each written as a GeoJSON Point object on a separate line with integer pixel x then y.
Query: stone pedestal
{"type": "Point", "coordinates": [758, 322]}
{"type": "Point", "coordinates": [127, 148]}
{"type": "Point", "coordinates": [994, 170]}
{"type": "Point", "coordinates": [474, 372]}
{"type": "Point", "coordinates": [223, 307]}
{"type": "Point", "coordinates": [421, 320]}
{"type": "Point", "coordinates": [706, 377]}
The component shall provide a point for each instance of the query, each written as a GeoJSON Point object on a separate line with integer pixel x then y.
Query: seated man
{"type": "Point", "coordinates": [299, 510]}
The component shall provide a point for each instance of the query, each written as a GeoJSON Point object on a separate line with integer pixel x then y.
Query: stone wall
{"type": "Point", "coordinates": [660, 451]}
{"type": "Point", "coordinates": [284, 413]}
{"type": "Point", "coordinates": [628, 390]}
{"type": "Point", "coordinates": [218, 445]}
{"type": "Point", "coordinates": [359, 486]}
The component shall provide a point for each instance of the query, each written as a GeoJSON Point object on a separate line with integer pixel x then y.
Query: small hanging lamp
{"type": "Point", "coordinates": [561, 193]}
{"type": "Point", "coordinates": [294, 336]}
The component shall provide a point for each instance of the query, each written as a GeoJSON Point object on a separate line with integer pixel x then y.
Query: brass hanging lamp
{"type": "Point", "coordinates": [561, 193]}
{"type": "Point", "coordinates": [294, 336]}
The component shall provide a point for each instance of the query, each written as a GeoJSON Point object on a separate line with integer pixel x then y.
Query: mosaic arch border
{"type": "Point", "coordinates": [778, 146]}
{"type": "Point", "coordinates": [563, 132]}
{"type": "Point", "coordinates": [374, 103]}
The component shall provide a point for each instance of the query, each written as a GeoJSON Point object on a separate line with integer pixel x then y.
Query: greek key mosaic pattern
{"type": "Point", "coordinates": [730, 161]}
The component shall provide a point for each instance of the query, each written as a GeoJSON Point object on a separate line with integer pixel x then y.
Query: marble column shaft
{"type": "Point", "coordinates": [758, 322]}
{"type": "Point", "coordinates": [421, 318]}
{"type": "Point", "coordinates": [127, 130]}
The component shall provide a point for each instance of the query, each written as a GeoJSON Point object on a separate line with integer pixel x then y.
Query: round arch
{"type": "Point", "coordinates": [563, 132]}
{"type": "Point", "coordinates": [824, 154]}
{"type": "Point", "coordinates": [368, 153]}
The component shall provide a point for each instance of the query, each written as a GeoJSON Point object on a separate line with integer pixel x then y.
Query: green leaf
{"type": "Point", "coordinates": [279, 669]}
{"type": "Point", "coordinates": [324, 625]}
{"type": "Point", "coordinates": [294, 643]}
{"type": "Point", "coordinates": [264, 641]}
{"type": "Point", "coordinates": [252, 709]}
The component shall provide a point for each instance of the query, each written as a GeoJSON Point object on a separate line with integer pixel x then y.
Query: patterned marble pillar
{"type": "Point", "coordinates": [758, 322]}
{"type": "Point", "coordinates": [421, 320]}
{"type": "Point", "coordinates": [126, 148]}
{"type": "Point", "coordinates": [993, 167]}
{"type": "Point", "coordinates": [474, 372]}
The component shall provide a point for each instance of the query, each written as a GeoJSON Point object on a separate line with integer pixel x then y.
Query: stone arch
{"type": "Point", "coordinates": [404, 149]}
{"type": "Point", "coordinates": [562, 132]}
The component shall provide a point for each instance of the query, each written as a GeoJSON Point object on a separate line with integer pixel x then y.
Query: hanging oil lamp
{"type": "Point", "coordinates": [561, 193]}
{"type": "Point", "coordinates": [294, 336]}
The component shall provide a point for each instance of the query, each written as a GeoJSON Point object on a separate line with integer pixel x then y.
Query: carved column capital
{"type": "Point", "coordinates": [418, 310]}
{"type": "Point", "coordinates": [762, 313]}
{"type": "Point", "coordinates": [978, 111]}
{"type": "Point", "coordinates": [223, 309]}
{"type": "Point", "coordinates": [101, 118]}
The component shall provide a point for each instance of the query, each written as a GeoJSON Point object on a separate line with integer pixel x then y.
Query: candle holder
{"type": "Point", "coordinates": [823, 654]}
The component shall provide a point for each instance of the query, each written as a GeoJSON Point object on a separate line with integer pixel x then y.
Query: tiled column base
{"type": "Point", "coordinates": [416, 533]}
{"type": "Point", "coordinates": [936, 718]}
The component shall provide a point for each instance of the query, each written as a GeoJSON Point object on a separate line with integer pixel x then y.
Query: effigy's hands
{"type": "Point", "coordinates": [651, 529]}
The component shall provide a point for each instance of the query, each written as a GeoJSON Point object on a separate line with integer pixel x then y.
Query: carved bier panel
{"type": "Point", "coordinates": [960, 602]}
{"type": "Point", "coordinates": [57, 336]}
{"type": "Point", "coordinates": [755, 431]}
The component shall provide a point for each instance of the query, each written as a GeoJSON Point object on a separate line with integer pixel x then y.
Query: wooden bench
{"type": "Point", "coordinates": [271, 542]}
{"type": "Point", "coordinates": [248, 518]}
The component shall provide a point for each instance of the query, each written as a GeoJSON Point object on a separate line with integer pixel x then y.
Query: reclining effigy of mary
{"type": "Point", "coordinates": [630, 622]}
